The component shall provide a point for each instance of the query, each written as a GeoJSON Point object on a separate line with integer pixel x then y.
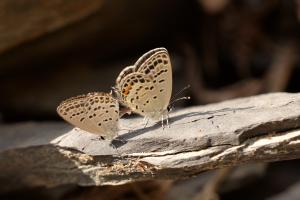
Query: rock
{"type": "Point", "coordinates": [262, 128]}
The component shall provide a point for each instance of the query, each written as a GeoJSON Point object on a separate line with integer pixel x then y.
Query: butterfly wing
{"type": "Point", "coordinates": [147, 55]}
{"type": "Point", "coordinates": [120, 81]}
{"type": "Point", "coordinates": [147, 88]}
{"type": "Point", "coordinates": [126, 71]}
{"type": "Point", "coordinates": [73, 109]}
{"type": "Point", "coordinates": [96, 113]}
{"type": "Point", "coordinates": [157, 65]}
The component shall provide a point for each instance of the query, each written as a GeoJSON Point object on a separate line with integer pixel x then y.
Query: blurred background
{"type": "Point", "coordinates": [52, 50]}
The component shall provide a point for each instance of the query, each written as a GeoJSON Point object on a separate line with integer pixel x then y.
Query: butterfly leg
{"type": "Point", "coordinates": [162, 122]}
{"type": "Point", "coordinates": [167, 119]}
{"type": "Point", "coordinates": [146, 121]}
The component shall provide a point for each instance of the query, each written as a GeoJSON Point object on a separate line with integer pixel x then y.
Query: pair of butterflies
{"type": "Point", "coordinates": [145, 88]}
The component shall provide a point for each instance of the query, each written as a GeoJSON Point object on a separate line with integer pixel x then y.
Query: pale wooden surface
{"type": "Point", "coordinates": [256, 129]}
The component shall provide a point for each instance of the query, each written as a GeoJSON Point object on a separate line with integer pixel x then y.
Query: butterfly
{"type": "Point", "coordinates": [146, 87]}
{"type": "Point", "coordinates": [96, 112]}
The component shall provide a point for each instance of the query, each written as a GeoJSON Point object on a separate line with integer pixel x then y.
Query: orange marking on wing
{"type": "Point", "coordinates": [127, 89]}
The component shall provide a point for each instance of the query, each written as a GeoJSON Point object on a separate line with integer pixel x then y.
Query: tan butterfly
{"type": "Point", "coordinates": [96, 113]}
{"type": "Point", "coordinates": [146, 87]}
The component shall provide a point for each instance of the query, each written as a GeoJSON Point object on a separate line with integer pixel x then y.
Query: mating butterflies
{"type": "Point", "coordinates": [145, 88]}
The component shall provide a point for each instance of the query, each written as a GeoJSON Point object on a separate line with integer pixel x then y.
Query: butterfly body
{"type": "Point", "coordinates": [146, 87]}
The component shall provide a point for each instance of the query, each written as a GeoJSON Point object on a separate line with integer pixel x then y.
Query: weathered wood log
{"type": "Point", "coordinates": [262, 128]}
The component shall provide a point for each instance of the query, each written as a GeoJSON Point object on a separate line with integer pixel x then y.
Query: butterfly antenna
{"type": "Point", "coordinates": [180, 92]}
{"type": "Point", "coordinates": [179, 99]}
{"type": "Point", "coordinates": [174, 100]}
